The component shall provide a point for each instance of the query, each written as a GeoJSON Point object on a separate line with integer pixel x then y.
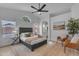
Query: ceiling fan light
{"type": "Point", "coordinates": [39, 13]}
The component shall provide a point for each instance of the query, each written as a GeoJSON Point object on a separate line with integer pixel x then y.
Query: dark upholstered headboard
{"type": "Point", "coordinates": [23, 30]}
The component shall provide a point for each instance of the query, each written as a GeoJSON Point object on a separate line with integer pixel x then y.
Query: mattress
{"type": "Point", "coordinates": [33, 40]}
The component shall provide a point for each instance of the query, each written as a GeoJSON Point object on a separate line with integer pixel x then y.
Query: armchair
{"type": "Point", "coordinates": [68, 44]}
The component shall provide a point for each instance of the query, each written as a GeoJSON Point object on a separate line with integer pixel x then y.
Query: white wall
{"type": "Point", "coordinates": [15, 15]}
{"type": "Point", "coordinates": [75, 10]}
{"type": "Point", "coordinates": [54, 33]}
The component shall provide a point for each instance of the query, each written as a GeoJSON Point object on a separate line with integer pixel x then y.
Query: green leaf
{"type": "Point", "coordinates": [73, 26]}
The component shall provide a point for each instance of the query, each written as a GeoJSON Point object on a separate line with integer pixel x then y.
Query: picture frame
{"type": "Point", "coordinates": [59, 25]}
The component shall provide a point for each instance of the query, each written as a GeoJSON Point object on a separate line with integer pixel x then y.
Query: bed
{"type": "Point", "coordinates": [31, 42]}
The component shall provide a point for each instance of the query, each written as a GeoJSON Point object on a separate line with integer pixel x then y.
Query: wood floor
{"type": "Point", "coordinates": [46, 50]}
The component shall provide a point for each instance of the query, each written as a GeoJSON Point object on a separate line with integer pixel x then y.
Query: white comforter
{"type": "Point", "coordinates": [33, 40]}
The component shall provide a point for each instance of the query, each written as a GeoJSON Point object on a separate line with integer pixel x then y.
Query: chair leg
{"type": "Point", "coordinates": [64, 49]}
{"type": "Point", "coordinates": [62, 44]}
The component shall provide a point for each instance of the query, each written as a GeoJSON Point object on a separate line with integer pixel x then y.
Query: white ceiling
{"type": "Point", "coordinates": [52, 7]}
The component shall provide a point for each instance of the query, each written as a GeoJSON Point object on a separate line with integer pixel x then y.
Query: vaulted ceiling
{"type": "Point", "coordinates": [54, 8]}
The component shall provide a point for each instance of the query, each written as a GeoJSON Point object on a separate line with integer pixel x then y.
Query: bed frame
{"type": "Point", "coordinates": [32, 47]}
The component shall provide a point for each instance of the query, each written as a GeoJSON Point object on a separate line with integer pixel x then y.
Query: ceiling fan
{"type": "Point", "coordinates": [39, 9]}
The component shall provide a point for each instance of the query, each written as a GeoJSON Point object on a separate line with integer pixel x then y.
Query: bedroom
{"type": "Point", "coordinates": [18, 21]}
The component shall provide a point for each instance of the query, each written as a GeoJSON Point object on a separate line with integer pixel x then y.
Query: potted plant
{"type": "Point", "coordinates": [73, 26]}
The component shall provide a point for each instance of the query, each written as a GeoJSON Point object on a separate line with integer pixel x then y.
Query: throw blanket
{"type": "Point", "coordinates": [30, 39]}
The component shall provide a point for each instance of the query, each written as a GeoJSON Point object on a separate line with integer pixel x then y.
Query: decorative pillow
{"type": "Point", "coordinates": [21, 35]}
{"type": "Point", "coordinates": [39, 36]}
{"type": "Point", "coordinates": [75, 38]}
{"type": "Point", "coordinates": [27, 34]}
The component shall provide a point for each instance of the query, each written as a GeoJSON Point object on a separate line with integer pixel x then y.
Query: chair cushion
{"type": "Point", "coordinates": [72, 45]}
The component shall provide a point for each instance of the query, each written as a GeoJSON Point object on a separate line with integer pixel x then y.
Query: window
{"type": "Point", "coordinates": [8, 28]}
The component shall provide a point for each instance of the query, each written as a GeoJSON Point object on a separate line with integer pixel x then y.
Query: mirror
{"type": "Point", "coordinates": [45, 28]}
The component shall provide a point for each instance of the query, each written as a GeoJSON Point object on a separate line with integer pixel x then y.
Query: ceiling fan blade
{"type": "Point", "coordinates": [42, 7]}
{"type": "Point", "coordinates": [34, 7]}
{"type": "Point", "coordinates": [34, 11]}
{"type": "Point", "coordinates": [39, 5]}
{"type": "Point", "coordinates": [44, 11]}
